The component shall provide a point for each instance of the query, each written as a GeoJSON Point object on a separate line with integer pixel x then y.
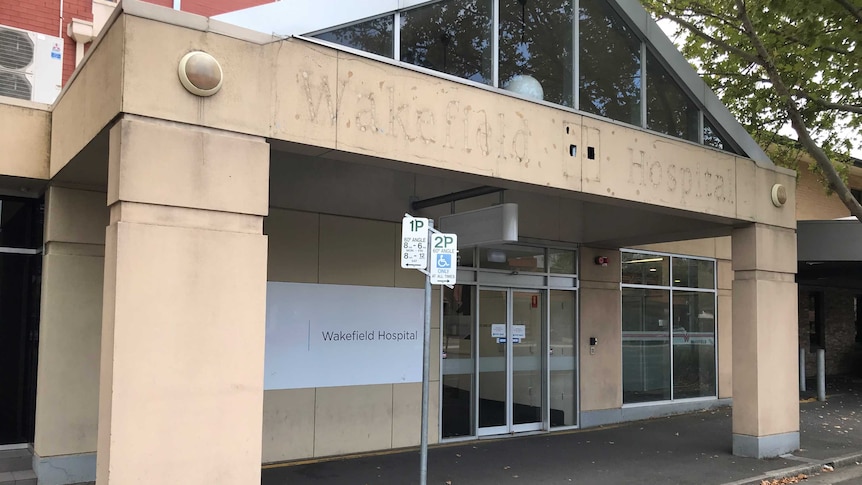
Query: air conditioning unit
{"type": "Point", "coordinates": [31, 65]}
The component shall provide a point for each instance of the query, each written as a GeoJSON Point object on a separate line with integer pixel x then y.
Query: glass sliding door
{"type": "Point", "coordinates": [511, 361]}
{"type": "Point", "coordinates": [493, 361]}
{"type": "Point", "coordinates": [528, 376]}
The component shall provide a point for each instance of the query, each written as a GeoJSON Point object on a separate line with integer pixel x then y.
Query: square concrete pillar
{"type": "Point", "coordinates": [181, 394]}
{"type": "Point", "coordinates": [67, 396]}
{"type": "Point", "coordinates": [765, 395]}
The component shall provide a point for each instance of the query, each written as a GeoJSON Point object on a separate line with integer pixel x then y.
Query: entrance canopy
{"type": "Point", "coordinates": [830, 252]}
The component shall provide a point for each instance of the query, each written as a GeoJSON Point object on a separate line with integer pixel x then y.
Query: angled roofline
{"type": "Point", "coordinates": [300, 17]}
{"type": "Point", "coordinates": [684, 73]}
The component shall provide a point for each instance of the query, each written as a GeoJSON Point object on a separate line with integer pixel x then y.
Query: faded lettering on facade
{"type": "Point", "coordinates": [448, 126]}
{"type": "Point", "coordinates": [382, 110]}
{"type": "Point", "coordinates": [678, 181]}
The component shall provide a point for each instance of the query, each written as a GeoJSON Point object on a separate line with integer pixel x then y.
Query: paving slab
{"type": "Point", "coordinates": [688, 449]}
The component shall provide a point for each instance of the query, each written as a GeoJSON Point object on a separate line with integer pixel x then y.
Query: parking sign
{"type": "Point", "coordinates": [414, 242]}
{"type": "Point", "coordinates": [444, 259]}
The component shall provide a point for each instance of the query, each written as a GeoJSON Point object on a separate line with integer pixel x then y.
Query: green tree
{"type": "Point", "coordinates": [774, 62]}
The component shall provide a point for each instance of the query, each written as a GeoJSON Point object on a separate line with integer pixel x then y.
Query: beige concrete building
{"type": "Point", "coordinates": [220, 279]}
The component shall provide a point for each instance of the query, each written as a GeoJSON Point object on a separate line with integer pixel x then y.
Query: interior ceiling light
{"type": "Point", "coordinates": [647, 260]}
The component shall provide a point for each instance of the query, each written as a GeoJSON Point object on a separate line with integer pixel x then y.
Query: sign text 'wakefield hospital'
{"type": "Point", "coordinates": [370, 335]}
{"type": "Point", "coordinates": [320, 335]}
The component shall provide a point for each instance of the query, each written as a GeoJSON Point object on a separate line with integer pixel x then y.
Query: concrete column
{"type": "Point", "coordinates": [67, 395]}
{"type": "Point", "coordinates": [765, 395]}
{"type": "Point", "coordinates": [181, 393]}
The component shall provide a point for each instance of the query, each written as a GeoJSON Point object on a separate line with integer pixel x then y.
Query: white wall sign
{"type": "Point", "coordinates": [339, 335]}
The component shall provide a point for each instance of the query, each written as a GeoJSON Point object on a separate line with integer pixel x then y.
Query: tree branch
{"type": "Point", "coordinates": [799, 41]}
{"type": "Point", "coordinates": [718, 42]}
{"type": "Point", "coordinates": [849, 108]}
{"type": "Point", "coordinates": [856, 12]}
{"type": "Point", "coordinates": [832, 177]}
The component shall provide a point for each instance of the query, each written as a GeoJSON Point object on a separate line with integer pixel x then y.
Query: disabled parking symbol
{"type": "Point", "coordinates": [444, 260]}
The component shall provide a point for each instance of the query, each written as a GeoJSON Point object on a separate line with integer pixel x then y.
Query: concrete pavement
{"type": "Point", "coordinates": [687, 449]}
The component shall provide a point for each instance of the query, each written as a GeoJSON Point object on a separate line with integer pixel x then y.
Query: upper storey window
{"type": "Point", "coordinates": [610, 62]}
{"type": "Point", "coordinates": [536, 41]}
{"type": "Point", "coordinates": [587, 58]}
{"type": "Point", "coordinates": [712, 138]}
{"type": "Point", "coordinates": [374, 36]}
{"type": "Point", "coordinates": [669, 110]}
{"type": "Point", "coordinates": [452, 37]}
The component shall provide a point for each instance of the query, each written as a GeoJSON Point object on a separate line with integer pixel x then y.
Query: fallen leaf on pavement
{"type": "Point", "coordinates": [785, 480]}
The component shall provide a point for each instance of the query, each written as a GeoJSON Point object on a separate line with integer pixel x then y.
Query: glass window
{"type": "Point", "coordinates": [536, 42]}
{"type": "Point", "coordinates": [453, 37]}
{"type": "Point", "coordinates": [374, 36]}
{"type": "Point", "coordinates": [693, 273]}
{"type": "Point", "coordinates": [669, 109]}
{"type": "Point", "coordinates": [693, 344]}
{"type": "Point", "coordinates": [712, 138]}
{"type": "Point", "coordinates": [467, 258]}
{"type": "Point", "coordinates": [610, 64]}
{"type": "Point", "coordinates": [645, 269]}
{"type": "Point", "coordinates": [646, 345]}
{"type": "Point", "coordinates": [656, 322]}
{"type": "Point", "coordinates": [563, 355]}
{"type": "Point", "coordinates": [561, 261]}
{"type": "Point", "coordinates": [513, 258]}
{"type": "Point", "coordinates": [457, 360]}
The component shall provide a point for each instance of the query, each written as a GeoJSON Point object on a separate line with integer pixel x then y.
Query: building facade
{"type": "Point", "coordinates": [830, 290]}
{"type": "Point", "coordinates": [218, 277]}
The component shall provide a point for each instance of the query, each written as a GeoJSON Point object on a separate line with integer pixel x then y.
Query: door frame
{"type": "Point", "coordinates": [509, 427]}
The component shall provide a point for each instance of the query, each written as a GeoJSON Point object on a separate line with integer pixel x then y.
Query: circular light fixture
{"type": "Point", "coordinates": [525, 85]}
{"type": "Point", "coordinates": [200, 73]}
{"type": "Point", "coordinates": [779, 195]}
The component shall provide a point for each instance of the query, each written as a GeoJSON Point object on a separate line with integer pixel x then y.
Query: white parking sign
{"type": "Point", "coordinates": [414, 242]}
{"type": "Point", "coordinates": [444, 258]}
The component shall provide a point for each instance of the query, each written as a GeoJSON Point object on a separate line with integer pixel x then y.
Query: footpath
{"type": "Point", "coordinates": [686, 449]}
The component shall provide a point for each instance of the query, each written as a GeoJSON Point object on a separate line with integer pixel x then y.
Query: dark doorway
{"type": "Point", "coordinates": [20, 285]}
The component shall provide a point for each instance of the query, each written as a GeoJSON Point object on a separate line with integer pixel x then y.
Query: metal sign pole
{"type": "Point", "coordinates": [426, 372]}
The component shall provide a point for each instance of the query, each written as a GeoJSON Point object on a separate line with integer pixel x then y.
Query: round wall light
{"type": "Point", "coordinates": [779, 195]}
{"type": "Point", "coordinates": [525, 86]}
{"type": "Point", "coordinates": [200, 73]}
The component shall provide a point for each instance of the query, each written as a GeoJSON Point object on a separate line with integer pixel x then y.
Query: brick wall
{"type": "Point", "coordinates": [812, 202]}
{"type": "Point", "coordinates": [43, 16]}
{"type": "Point", "coordinates": [842, 352]}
